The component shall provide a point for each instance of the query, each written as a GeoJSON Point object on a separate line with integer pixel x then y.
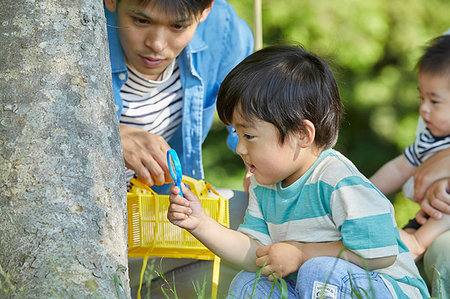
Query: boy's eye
{"type": "Point", "coordinates": [249, 137]}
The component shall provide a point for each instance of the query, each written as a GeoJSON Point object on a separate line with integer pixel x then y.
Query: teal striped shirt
{"type": "Point", "coordinates": [333, 201]}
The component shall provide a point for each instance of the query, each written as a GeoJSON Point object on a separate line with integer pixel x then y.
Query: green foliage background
{"type": "Point", "coordinates": [372, 47]}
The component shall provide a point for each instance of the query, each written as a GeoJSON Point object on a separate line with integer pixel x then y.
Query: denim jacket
{"type": "Point", "coordinates": [219, 44]}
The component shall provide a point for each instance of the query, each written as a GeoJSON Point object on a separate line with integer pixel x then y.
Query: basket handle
{"type": "Point", "coordinates": [198, 187]}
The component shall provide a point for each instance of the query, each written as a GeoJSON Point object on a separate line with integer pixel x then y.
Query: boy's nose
{"type": "Point", "coordinates": [424, 107]}
{"type": "Point", "coordinates": [240, 149]}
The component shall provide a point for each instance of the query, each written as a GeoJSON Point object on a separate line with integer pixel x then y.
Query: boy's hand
{"type": "Point", "coordinates": [281, 259]}
{"type": "Point", "coordinates": [436, 201]}
{"type": "Point", "coordinates": [186, 212]}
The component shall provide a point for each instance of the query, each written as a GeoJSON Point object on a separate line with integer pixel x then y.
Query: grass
{"type": "Point", "coordinates": [169, 288]}
{"type": "Point", "coordinates": [7, 288]}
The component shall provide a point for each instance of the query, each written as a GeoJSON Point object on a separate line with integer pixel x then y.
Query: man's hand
{"type": "Point", "coordinates": [145, 154]}
{"type": "Point", "coordinates": [436, 201]}
{"type": "Point", "coordinates": [433, 169]}
{"type": "Point", "coordinates": [281, 259]}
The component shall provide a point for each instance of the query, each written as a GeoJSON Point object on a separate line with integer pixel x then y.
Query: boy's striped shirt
{"type": "Point", "coordinates": [333, 201]}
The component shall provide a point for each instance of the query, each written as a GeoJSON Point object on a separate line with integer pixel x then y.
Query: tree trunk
{"type": "Point", "coordinates": [62, 187]}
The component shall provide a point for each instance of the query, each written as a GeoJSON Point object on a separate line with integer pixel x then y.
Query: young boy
{"type": "Point", "coordinates": [434, 89]}
{"type": "Point", "coordinates": [307, 201]}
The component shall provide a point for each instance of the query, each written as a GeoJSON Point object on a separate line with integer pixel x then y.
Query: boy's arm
{"type": "Point", "coordinates": [419, 241]}
{"type": "Point", "coordinates": [187, 212]}
{"type": "Point", "coordinates": [392, 175]}
{"type": "Point", "coordinates": [285, 258]}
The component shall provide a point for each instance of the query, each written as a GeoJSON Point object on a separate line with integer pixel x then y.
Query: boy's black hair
{"type": "Point", "coordinates": [436, 58]}
{"type": "Point", "coordinates": [284, 85]}
{"type": "Point", "coordinates": [181, 9]}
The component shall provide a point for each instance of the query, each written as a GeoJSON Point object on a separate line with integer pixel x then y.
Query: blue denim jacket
{"type": "Point", "coordinates": [219, 44]}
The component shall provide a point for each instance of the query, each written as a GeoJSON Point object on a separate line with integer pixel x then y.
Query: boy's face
{"type": "Point", "coordinates": [150, 38]}
{"type": "Point", "coordinates": [435, 106]}
{"type": "Point", "coordinates": [270, 161]}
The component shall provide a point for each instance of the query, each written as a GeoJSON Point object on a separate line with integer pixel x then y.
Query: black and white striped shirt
{"type": "Point", "coordinates": [154, 106]}
{"type": "Point", "coordinates": [425, 146]}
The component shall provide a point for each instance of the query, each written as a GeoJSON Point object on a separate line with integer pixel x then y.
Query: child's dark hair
{"type": "Point", "coordinates": [181, 9]}
{"type": "Point", "coordinates": [436, 58]}
{"type": "Point", "coordinates": [284, 85]}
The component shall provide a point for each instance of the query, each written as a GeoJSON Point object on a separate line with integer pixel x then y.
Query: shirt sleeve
{"type": "Point", "coordinates": [364, 217]}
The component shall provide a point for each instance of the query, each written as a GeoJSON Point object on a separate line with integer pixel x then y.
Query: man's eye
{"type": "Point", "coordinates": [179, 27]}
{"type": "Point", "coordinates": [140, 21]}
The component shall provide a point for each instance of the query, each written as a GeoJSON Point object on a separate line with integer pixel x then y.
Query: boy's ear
{"type": "Point", "coordinates": [111, 5]}
{"type": "Point", "coordinates": [307, 136]}
{"type": "Point", "coordinates": [206, 12]}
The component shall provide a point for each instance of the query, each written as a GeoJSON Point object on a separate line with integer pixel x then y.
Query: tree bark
{"type": "Point", "coordinates": [62, 187]}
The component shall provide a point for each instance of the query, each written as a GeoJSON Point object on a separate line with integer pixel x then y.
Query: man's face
{"type": "Point", "coordinates": [151, 39]}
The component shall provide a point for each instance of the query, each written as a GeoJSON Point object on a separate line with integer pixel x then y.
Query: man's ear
{"type": "Point", "coordinates": [307, 136]}
{"type": "Point", "coordinates": [111, 5]}
{"type": "Point", "coordinates": [206, 12]}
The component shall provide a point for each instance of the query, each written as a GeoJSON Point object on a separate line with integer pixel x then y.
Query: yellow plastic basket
{"type": "Point", "coordinates": [150, 233]}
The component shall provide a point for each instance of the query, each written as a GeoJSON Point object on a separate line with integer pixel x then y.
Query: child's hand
{"type": "Point", "coordinates": [436, 201]}
{"type": "Point", "coordinates": [281, 259]}
{"type": "Point", "coordinates": [186, 212]}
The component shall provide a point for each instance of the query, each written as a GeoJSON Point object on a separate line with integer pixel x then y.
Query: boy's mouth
{"type": "Point", "coordinates": [251, 168]}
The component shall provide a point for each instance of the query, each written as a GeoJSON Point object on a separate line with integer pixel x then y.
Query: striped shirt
{"type": "Point", "coordinates": [333, 201]}
{"type": "Point", "coordinates": [153, 106]}
{"type": "Point", "coordinates": [425, 146]}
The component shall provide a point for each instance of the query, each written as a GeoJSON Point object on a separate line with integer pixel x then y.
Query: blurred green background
{"type": "Point", "coordinates": [372, 47]}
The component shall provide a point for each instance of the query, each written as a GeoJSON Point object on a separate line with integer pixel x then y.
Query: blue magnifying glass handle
{"type": "Point", "coordinates": [175, 168]}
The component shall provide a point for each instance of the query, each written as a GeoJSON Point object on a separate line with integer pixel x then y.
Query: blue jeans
{"type": "Point", "coordinates": [339, 275]}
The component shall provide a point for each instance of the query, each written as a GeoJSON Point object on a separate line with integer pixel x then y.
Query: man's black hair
{"type": "Point", "coordinates": [181, 9]}
{"type": "Point", "coordinates": [284, 85]}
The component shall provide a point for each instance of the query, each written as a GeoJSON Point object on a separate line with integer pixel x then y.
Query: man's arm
{"type": "Point", "coordinates": [436, 201]}
{"type": "Point", "coordinates": [392, 175]}
{"type": "Point", "coordinates": [433, 169]}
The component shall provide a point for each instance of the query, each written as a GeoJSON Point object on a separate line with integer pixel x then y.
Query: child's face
{"type": "Point", "coordinates": [150, 38]}
{"type": "Point", "coordinates": [269, 160]}
{"type": "Point", "coordinates": [435, 106]}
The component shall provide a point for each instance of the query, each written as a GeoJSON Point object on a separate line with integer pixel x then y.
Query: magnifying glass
{"type": "Point", "coordinates": [175, 168]}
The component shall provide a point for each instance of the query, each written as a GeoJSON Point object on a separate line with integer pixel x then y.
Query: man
{"type": "Point", "coordinates": [168, 59]}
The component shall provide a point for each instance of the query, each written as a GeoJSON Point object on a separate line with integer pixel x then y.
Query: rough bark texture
{"type": "Point", "coordinates": [62, 204]}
